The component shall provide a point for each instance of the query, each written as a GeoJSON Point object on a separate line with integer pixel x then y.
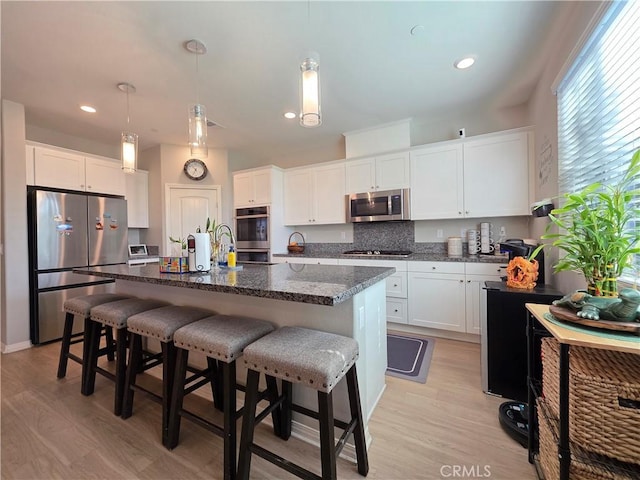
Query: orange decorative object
{"type": "Point", "coordinates": [522, 273]}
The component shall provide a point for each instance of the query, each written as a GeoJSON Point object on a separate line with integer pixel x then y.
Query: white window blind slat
{"type": "Point", "coordinates": [599, 107]}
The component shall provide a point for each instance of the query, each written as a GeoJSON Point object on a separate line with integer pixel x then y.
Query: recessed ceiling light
{"type": "Point", "coordinates": [87, 108]}
{"type": "Point", "coordinates": [463, 63]}
{"type": "Point", "coordinates": [417, 30]}
{"type": "Point", "coordinates": [290, 115]}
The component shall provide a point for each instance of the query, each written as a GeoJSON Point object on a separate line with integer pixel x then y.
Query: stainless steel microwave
{"type": "Point", "coordinates": [378, 206]}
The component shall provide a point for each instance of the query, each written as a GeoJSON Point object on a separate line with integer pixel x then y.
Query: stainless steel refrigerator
{"type": "Point", "coordinates": [69, 230]}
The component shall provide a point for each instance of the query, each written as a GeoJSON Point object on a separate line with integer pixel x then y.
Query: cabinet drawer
{"type": "Point", "coordinates": [397, 285]}
{"type": "Point", "coordinates": [498, 269]}
{"type": "Point", "coordinates": [396, 310]}
{"type": "Point", "coordinates": [436, 267]}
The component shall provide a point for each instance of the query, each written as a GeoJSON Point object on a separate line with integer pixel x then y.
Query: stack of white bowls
{"type": "Point", "coordinates": [486, 238]}
{"type": "Point", "coordinates": [473, 239]}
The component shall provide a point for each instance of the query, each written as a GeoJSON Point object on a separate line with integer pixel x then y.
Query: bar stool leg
{"type": "Point", "coordinates": [217, 389]}
{"type": "Point", "coordinates": [133, 367]}
{"type": "Point", "coordinates": [66, 344]}
{"type": "Point", "coordinates": [168, 378]}
{"type": "Point", "coordinates": [90, 358]}
{"type": "Point", "coordinates": [177, 398]}
{"type": "Point", "coordinates": [121, 368]}
{"type": "Point", "coordinates": [327, 439]}
{"type": "Point", "coordinates": [108, 335]}
{"type": "Point", "coordinates": [229, 388]}
{"type": "Point", "coordinates": [276, 414]}
{"type": "Point", "coordinates": [248, 424]}
{"type": "Point", "coordinates": [356, 412]}
{"type": "Point", "coordinates": [286, 411]}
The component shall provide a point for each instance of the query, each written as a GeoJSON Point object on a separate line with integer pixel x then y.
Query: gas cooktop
{"type": "Point", "coordinates": [378, 253]}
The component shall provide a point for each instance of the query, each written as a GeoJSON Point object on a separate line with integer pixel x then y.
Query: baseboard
{"type": "Point", "coordinates": [433, 332]}
{"type": "Point", "coordinates": [15, 347]}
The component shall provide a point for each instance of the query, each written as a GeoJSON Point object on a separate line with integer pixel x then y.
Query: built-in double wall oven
{"type": "Point", "coordinates": [252, 234]}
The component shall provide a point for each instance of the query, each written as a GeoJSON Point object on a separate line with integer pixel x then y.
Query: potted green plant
{"type": "Point", "coordinates": [598, 230]}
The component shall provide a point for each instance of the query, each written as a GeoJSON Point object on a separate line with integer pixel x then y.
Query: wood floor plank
{"type": "Point", "coordinates": [419, 431]}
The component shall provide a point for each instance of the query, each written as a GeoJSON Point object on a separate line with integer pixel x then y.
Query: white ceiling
{"type": "Point", "coordinates": [59, 55]}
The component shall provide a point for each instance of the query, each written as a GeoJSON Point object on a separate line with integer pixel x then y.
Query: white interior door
{"type": "Point", "coordinates": [187, 208]}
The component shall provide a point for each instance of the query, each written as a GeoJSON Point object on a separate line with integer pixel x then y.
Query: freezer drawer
{"type": "Point", "coordinates": [50, 313]}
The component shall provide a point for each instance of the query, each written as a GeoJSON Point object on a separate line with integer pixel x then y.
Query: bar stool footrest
{"type": "Point", "coordinates": [283, 463]}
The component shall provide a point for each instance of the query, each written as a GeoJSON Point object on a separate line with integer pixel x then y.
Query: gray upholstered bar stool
{"type": "Point", "coordinates": [317, 360]}
{"type": "Point", "coordinates": [158, 324]}
{"type": "Point", "coordinates": [81, 306]}
{"type": "Point", "coordinates": [114, 315]}
{"type": "Point", "coordinates": [221, 339]}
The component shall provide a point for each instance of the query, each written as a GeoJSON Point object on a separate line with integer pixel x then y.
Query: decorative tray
{"type": "Point", "coordinates": [569, 316]}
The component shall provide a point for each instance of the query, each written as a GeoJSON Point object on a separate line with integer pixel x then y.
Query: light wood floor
{"type": "Point", "coordinates": [420, 431]}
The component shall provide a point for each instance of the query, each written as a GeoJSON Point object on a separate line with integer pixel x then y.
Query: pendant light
{"type": "Point", "coordinates": [310, 92]}
{"type": "Point", "coordinates": [128, 140]}
{"type": "Point", "coordinates": [310, 86]}
{"type": "Point", "coordinates": [197, 112]}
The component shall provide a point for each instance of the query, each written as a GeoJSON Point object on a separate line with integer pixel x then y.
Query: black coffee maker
{"type": "Point", "coordinates": [517, 248]}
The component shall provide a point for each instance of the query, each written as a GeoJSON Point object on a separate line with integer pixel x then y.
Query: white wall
{"type": "Point", "coordinates": [569, 27]}
{"type": "Point", "coordinates": [165, 164]}
{"type": "Point", "coordinates": [14, 322]}
{"type": "Point", "coordinates": [51, 137]}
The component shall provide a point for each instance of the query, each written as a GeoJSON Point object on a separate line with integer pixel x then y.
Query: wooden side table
{"type": "Point", "coordinates": [538, 326]}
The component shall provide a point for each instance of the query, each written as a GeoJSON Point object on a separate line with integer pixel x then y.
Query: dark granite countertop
{"type": "Point", "coordinates": [315, 284]}
{"type": "Point", "coordinates": [421, 257]}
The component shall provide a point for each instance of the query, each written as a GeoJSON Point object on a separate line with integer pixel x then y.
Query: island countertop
{"type": "Point", "coordinates": [315, 284]}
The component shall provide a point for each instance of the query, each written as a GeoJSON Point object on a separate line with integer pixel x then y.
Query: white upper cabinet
{"type": "Point", "coordinates": [58, 168]}
{"type": "Point", "coordinates": [436, 182]}
{"type": "Point", "coordinates": [251, 188]}
{"type": "Point", "coordinates": [137, 195]}
{"type": "Point", "coordinates": [487, 177]}
{"type": "Point", "coordinates": [382, 172]}
{"type": "Point", "coordinates": [315, 195]}
{"type": "Point", "coordinates": [496, 174]}
{"type": "Point", "coordinates": [104, 176]}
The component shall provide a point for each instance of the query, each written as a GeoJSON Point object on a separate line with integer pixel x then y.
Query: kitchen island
{"type": "Point", "coordinates": [345, 300]}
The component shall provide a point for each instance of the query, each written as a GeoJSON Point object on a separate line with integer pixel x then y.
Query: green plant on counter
{"type": "Point", "coordinates": [181, 241]}
{"type": "Point", "coordinates": [598, 230]}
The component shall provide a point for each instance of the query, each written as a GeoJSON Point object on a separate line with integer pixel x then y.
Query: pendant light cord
{"type": "Point", "coordinates": [197, 73]}
{"type": "Point", "coordinates": [128, 87]}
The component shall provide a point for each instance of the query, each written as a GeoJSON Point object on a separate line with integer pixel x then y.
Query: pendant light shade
{"type": "Point", "coordinates": [129, 152]}
{"type": "Point", "coordinates": [310, 93]}
{"type": "Point", "coordinates": [198, 130]}
{"type": "Point", "coordinates": [197, 112]}
{"type": "Point", "coordinates": [128, 140]}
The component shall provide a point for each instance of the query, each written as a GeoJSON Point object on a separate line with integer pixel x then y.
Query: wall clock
{"type": "Point", "coordinates": [195, 169]}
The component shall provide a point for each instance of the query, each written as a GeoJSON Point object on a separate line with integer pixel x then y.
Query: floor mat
{"type": "Point", "coordinates": [409, 357]}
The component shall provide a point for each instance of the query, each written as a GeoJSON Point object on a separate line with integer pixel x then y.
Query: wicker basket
{"type": "Point", "coordinates": [584, 465]}
{"type": "Point", "coordinates": [298, 248]}
{"type": "Point", "coordinates": [604, 398]}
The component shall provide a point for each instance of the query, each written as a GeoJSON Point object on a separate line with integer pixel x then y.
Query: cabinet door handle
{"type": "Point", "coordinates": [468, 281]}
{"type": "Point", "coordinates": [395, 311]}
{"type": "Point", "coordinates": [461, 281]}
{"type": "Point", "coordinates": [459, 213]}
{"type": "Point", "coordinates": [433, 268]}
{"type": "Point", "coordinates": [88, 186]}
{"type": "Point", "coordinates": [466, 212]}
{"type": "Point", "coordinates": [395, 284]}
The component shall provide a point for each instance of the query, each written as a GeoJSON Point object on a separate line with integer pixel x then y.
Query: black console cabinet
{"type": "Point", "coordinates": [506, 337]}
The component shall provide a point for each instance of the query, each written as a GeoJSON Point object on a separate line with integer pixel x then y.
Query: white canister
{"type": "Point", "coordinates": [454, 246]}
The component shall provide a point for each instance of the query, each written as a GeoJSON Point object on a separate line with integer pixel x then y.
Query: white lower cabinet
{"type": "Point", "coordinates": [436, 293]}
{"type": "Point", "coordinates": [396, 286]}
{"type": "Point", "coordinates": [448, 296]}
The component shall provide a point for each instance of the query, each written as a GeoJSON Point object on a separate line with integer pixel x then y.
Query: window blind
{"type": "Point", "coordinates": [599, 107]}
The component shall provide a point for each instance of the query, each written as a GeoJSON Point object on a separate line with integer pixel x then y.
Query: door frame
{"type": "Point", "coordinates": [168, 187]}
